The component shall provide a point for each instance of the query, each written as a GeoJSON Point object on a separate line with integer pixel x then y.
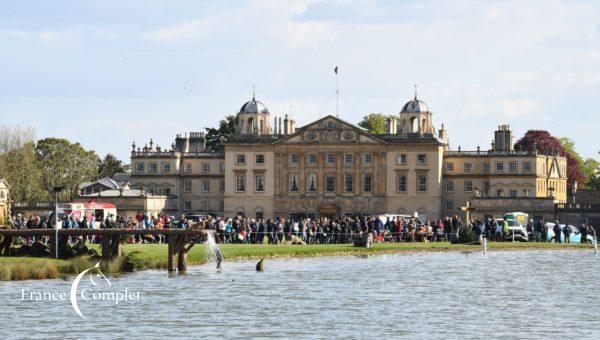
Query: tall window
{"type": "Point", "coordinates": [348, 182]}
{"type": "Point", "coordinates": [205, 167]}
{"type": "Point", "coordinates": [293, 182]}
{"type": "Point", "coordinates": [499, 166]}
{"type": "Point", "coordinates": [187, 185]}
{"type": "Point", "coordinates": [468, 167]}
{"type": "Point", "coordinates": [311, 182]}
{"type": "Point", "coordinates": [166, 168]}
{"type": "Point", "coordinates": [449, 186]}
{"type": "Point", "coordinates": [152, 168]}
{"type": "Point", "coordinates": [311, 158]}
{"type": "Point", "coordinates": [348, 158]}
{"type": "Point", "coordinates": [486, 167]}
{"type": "Point", "coordinates": [139, 167]}
{"type": "Point", "coordinates": [330, 158]}
{"type": "Point", "coordinates": [367, 158]}
{"type": "Point", "coordinates": [449, 167]}
{"type": "Point", "coordinates": [486, 187]}
{"type": "Point", "coordinates": [187, 205]}
{"type": "Point", "coordinates": [526, 166]}
{"type": "Point", "coordinates": [366, 182]}
{"type": "Point", "coordinates": [449, 205]}
{"type": "Point", "coordinates": [330, 183]}
{"type": "Point", "coordinates": [468, 186]}
{"type": "Point", "coordinates": [421, 183]}
{"type": "Point", "coordinates": [187, 167]}
{"type": "Point", "coordinates": [512, 166]}
{"type": "Point", "coordinates": [222, 168]}
{"type": "Point", "coordinates": [259, 159]}
{"type": "Point", "coordinates": [205, 205]}
{"type": "Point", "coordinates": [222, 185]}
{"type": "Point", "coordinates": [205, 186]}
{"type": "Point", "coordinates": [294, 158]}
{"type": "Point", "coordinates": [499, 193]}
{"type": "Point", "coordinates": [401, 159]}
{"type": "Point", "coordinates": [240, 183]}
{"type": "Point", "coordinates": [240, 159]}
{"type": "Point", "coordinates": [401, 183]}
{"type": "Point", "coordinates": [259, 182]}
{"type": "Point", "coordinates": [513, 193]}
{"type": "Point", "coordinates": [421, 159]}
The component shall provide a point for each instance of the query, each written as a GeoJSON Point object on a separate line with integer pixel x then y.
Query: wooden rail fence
{"type": "Point", "coordinates": [180, 241]}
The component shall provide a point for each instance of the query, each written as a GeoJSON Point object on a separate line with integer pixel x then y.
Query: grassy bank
{"type": "Point", "coordinates": [154, 256]}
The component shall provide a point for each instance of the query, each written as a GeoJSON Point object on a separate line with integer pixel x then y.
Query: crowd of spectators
{"type": "Point", "coordinates": [324, 230]}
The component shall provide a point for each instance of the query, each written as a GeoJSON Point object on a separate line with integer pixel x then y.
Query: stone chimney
{"type": "Point", "coordinates": [443, 135]}
{"type": "Point", "coordinates": [286, 125]}
{"type": "Point", "coordinates": [503, 138]}
{"type": "Point", "coordinates": [392, 125]}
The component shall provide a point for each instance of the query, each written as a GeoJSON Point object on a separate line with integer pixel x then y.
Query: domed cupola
{"type": "Point", "coordinates": [415, 117]}
{"type": "Point", "coordinates": [253, 106]}
{"type": "Point", "coordinates": [415, 106]}
{"type": "Point", "coordinates": [253, 118]}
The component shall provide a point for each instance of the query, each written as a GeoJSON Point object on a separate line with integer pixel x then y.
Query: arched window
{"type": "Point", "coordinates": [261, 126]}
{"type": "Point", "coordinates": [424, 125]}
{"type": "Point", "coordinates": [414, 125]}
{"type": "Point", "coordinates": [249, 125]}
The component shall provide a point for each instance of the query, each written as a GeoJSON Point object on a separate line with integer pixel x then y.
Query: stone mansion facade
{"type": "Point", "coordinates": [332, 167]}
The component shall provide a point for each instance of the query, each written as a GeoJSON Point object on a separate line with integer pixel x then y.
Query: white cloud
{"type": "Point", "coordinates": [477, 63]}
{"type": "Point", "coordinates": [187, 32]}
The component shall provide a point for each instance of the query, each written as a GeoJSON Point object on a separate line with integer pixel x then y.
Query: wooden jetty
{"type": "Point", "coordinates": [180, 241]}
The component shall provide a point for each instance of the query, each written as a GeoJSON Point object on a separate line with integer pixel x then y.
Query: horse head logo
{"type": "Point", "coordinates": [98, 274]}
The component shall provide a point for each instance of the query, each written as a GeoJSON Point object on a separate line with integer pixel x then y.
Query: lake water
{"type": "Point", "coordinates": [529, 294]}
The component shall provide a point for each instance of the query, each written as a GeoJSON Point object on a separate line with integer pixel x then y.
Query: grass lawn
{"type": "Point", "coordinates": [197, 255]}
{"type": "Point", "coordinates": [155, 255]}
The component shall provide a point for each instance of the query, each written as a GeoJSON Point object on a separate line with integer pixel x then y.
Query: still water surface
{"type": "Point", "coordinates": [529, 294]}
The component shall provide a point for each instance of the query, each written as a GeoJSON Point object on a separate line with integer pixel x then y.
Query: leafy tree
{"type": "Point", "coordinates": [110, 165]}
{"type": "Point", "coordinates": [375, 123]}
{"type": "Point", "coordinates": [589, 167]}
{"type": "Point", "coordinates": [546, 144]}
{"type": "Point", "coordinates": [65, 164]}
{"type": "Point", "coordinates": [20, 168]}
{"type": "Point", "coordinates": [216, 137]}
{"type": "Point", "coordinates": [591, 173]}
{"type": "Point", "coordinates": [18, 164]}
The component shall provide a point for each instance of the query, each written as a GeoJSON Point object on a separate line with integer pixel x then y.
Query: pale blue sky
{"type": "Point", "coordinates": [105, 73]}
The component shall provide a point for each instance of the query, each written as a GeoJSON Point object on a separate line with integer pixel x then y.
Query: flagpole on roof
{"type": "Point", "coordinates": [337, 92]}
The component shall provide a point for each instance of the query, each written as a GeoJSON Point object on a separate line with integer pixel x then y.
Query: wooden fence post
{"type": "Point", "coordinates": [171, 254]}
{"type": "Point", "coordinates": [106, 247]}
{"type": "Point", "coordinates": [182, 254]}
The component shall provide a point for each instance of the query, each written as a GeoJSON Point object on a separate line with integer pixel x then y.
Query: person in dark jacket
{"type": "Point", "coordinates": [567, 233]}
{"type": "Point", "coordinates": [584, 232]}
{"type": "Point", "coordinates": [557, 232]}
{"type": "Point", "coordinates": [447, 228]}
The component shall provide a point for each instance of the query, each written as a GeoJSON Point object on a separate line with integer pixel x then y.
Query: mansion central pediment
{"type": "Point", "coordinates": [330, 130]}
